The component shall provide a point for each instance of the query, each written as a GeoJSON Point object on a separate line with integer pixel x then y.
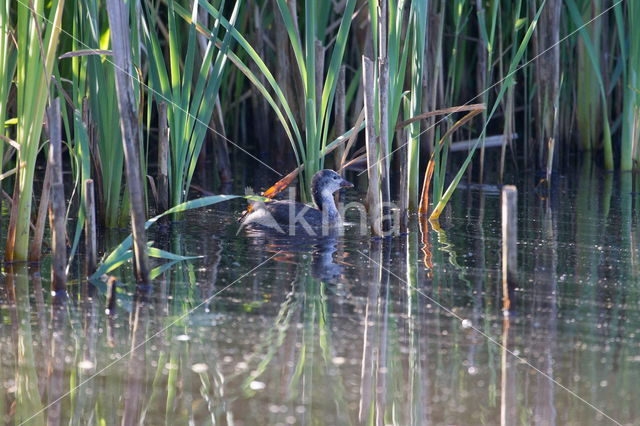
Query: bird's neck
{"type": "Point", "coordinates": [326, 204]}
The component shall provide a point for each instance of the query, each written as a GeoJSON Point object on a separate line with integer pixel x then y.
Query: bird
{"type": "Point", "coordinates": [289, 215]}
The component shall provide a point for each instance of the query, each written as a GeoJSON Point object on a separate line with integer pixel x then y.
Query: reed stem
{"type": "Point", "coordinates": [119, 21]}
{"type": "Point", "coordinates": [57, 213]}
{"type": "Point", "coordinates": [90, 238]}
{"type": "Point", "coordinates": [374, 195]}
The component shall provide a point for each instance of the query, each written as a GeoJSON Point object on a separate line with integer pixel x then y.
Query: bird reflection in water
{"type": "Point", "coordinates": [327, 265]}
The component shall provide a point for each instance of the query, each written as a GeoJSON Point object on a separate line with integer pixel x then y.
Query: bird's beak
{"type": "Point", "coordinates": [346, 184]}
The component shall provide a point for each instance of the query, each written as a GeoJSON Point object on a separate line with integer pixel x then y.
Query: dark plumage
{"type": "Point", "coordinates": [282, 215]}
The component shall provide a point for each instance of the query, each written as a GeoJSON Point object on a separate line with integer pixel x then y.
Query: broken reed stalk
{"type": "Point", "coordinates": [112, 285]}
{"type": "Point", "coordinates": [91, 256]}
{"type": "Point", "coordinates": [444, 111]}
{"type": "Point", "coordinates": [118, 14]}
{"type": "Point", "coordinates": [383, 85]}
{"type": "Point", "coordinates": [163, 159]}
{"type": "Point", "coordinates": [374, 196]}
{"type": "Point", "coordinates": [35, 250]}
{"type": "Point", "coordinates": [58, 246]}
{"type": "Point", "coordinates": [57, 211]}
{"type": "Point", "coordinates": [550, 156]}
{"type": "Point", "coordinates": [94, 149]}
{"type": "Point", "coordinates": [435, 156]}
{"type": "Point", "coordinates": [509, 244]}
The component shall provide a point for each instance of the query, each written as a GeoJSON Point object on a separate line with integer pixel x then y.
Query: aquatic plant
{"type": "Point", "coordinates": [442, 201]}
{"type": "Point", "coordinates": [97, 142]}
{"type": "Point", "coordinates": [7, 69]}
{"type": "Point", "coordinates": [629, 45]}
{"type": "Point", "coordinates": [37, 35]}
{"type": "Point", "coordinates": [189, 89]}
{"type": "Point", "coordinates": [319, 87]}
{"type": "Point", "coordinates": [588, 107]}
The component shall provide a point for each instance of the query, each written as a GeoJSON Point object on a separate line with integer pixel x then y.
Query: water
{"type": "Point", "coordinates": [347, 330]}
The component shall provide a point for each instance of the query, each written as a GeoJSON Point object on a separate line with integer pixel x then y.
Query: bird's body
{"type": "Point", "coordinates": [285, 215]}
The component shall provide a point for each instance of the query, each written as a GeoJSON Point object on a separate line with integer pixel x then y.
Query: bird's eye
{"type": "Point", "coordinates": [335, 177]}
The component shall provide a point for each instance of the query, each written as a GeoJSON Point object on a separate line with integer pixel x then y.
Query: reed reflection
{"type": "Point", "coordinates": [345, 330]}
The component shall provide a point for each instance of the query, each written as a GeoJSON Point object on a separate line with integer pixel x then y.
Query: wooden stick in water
{"type": "Point", "coordinates": [509, 244]}
{"type": "Point", "coordinates": [91, 256]}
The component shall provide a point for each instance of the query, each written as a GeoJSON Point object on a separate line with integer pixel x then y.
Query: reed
{"type": "Point", "coordinates": [57, 211]}
{"type": "Point", "coordinates": [319, 86]}
{"type": "Point", "coordinates": [106, 145]}
{"type": "Point", "coordinates": [188, 88]}
{"type": "Point", "coordinates": [8, 55]}
{"type": "Point", "coordinates": [510, 33]}
{"type": "Point", "coordinates": [39, 36]}
{"type": "Point", "coordinates": [446, 196]}
{"type": "Point", "coordinates": [629, 42]}
{"type": "Point", "coordinates": [437, 166]}
{"type": "Point", "coordinates": [587, 94]}
{"type": "Point", "coordinates": [73, 67]}
{"type": "Point", "coordinates": [119, 21]}
{"type": "Point", "coordinates": [460, 15]}
{"type": "Point", "coordinates": [375, 161]}
{"type": "Point", "coordinates": [594, 76]}
{"type": "Point", "coordinates": [90, 237]}
{"type": "Point", "coordinates": [418, 24]}
{"type": "Point", "coordinates": [486, 50]}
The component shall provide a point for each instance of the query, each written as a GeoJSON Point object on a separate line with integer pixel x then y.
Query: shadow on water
{"type": "Point", "coordinates": [267, 329]}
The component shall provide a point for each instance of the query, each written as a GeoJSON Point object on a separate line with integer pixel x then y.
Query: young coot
{"type": "Point", "coordinates": [286, 213]}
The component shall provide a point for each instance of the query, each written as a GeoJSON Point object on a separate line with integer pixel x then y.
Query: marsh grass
{"type": "Point", "coordinates": [319, 85]}
{"type": "Point", "coordinates": [8, 56]}
{"type": "Point", "coordinates": [592, 77]}
{"type": "Point", "coordinates": [188, 88]}
{"type": "Point", "coordinates": [629, 41]}
{"type": "Point", "coordinates": [96, 86]}
{"type": "Point", "coordinates": [37, 42]}
{"type": "Point", "coordinates": [442, 201]}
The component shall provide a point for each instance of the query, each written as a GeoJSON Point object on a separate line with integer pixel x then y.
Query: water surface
{"type": "Point", "coordinates": [348, 330]}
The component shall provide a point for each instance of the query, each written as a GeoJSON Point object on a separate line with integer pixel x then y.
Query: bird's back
{"type": "Point", "coordinates": [286, 215]}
